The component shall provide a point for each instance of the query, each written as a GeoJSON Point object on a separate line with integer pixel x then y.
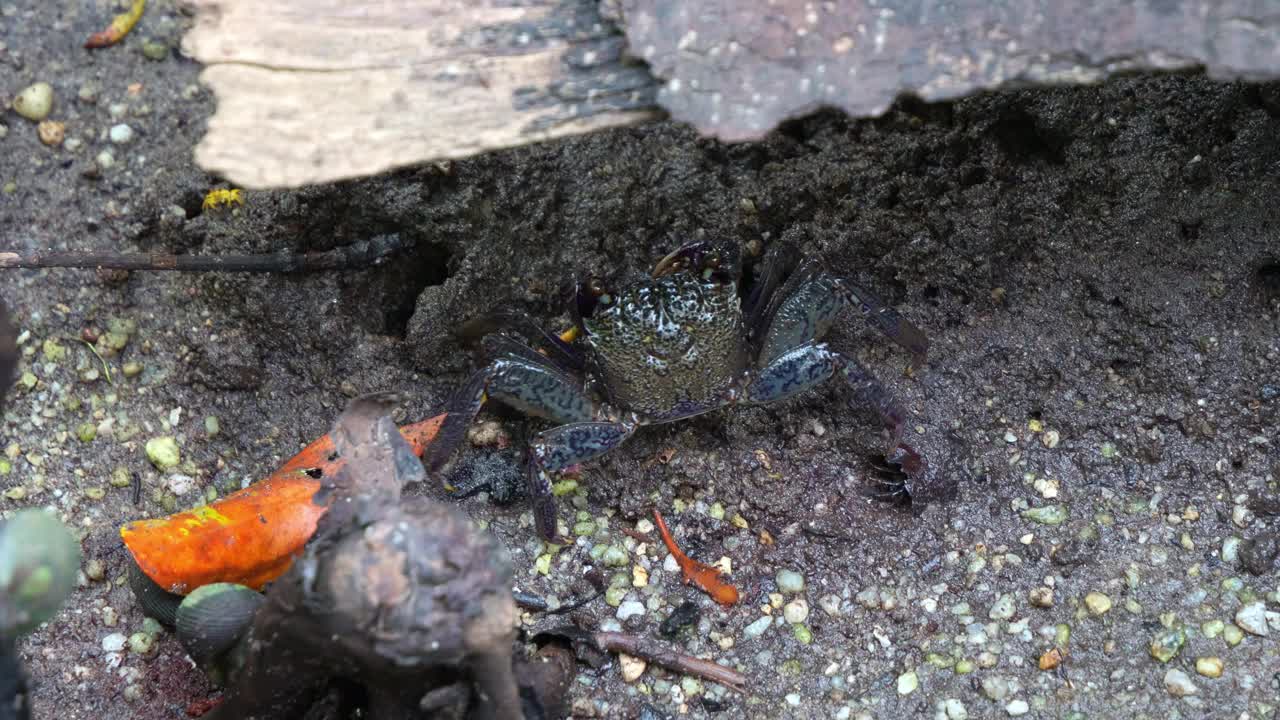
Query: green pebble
{"type": "Point", "coordinates": [597, 551]}
{"type": "Point", "coordinates": [792, 667]}
{"type": "Point", "coordinates": [717, 511]}
{"type": "Point", "coordinates": [1108, 450]}
{"type": "Point", "coordinates": [543, 564]}
{"type": "Point", "coordinates": [53, 352]}
{"type": "Point", "coordinates": [28, 381]}
{"type": "Point", "coordinates": [1165, 645]}
{"type": "Point", "coordinates": [169, 502]}
{"type": "Point", "coordinates": [71, 403]}
{"type": "Point", "coordinates": [1233, 584]}
{"type": "Point", "coordinates": [564, 487]}
{"type": "Point", "coordinates": [940, 661]}
{"type": "Point", "coordinates": [95, 493]}
{"type": "Point", "coordinates": [964, 667]}
{"type": "Point", "coordinates": [615, 556]}
{"type": "Point", "coordinates": [16, 493]}
{"type": "Point", "coordinates": [211, 425]}
{"type": "Point", "coordinates": [1047, 515]}
{"type": "Point", "coordinates": [141, 643]}
{"type": "Point", "coordinates": [151, 626]}
{"type": "Point", "coordinates": [87, 432]}
{"type": "Point", "coordinates": [803, 634]}
{"type": "Point", "coordinates": [163, 452]}
{"type": "Point", "coordinates": [116, 341]}
{"type": "Point", "coordinates": [613, 596]}
{"type": "Point", "coordinates": [9, 188]}
{"type": "Point", "coordinates": [5, 467]}
{"type": "Point", "coordinates": [584, 527]}
{"type": "Point", "coordinates": [1212, 628]}
{"type": "Point", "coordinates": [120, 477]}
{"type": "Point", "coordinates": [154, 50]}
{"type": "Point", "coordinates": [132, 369]}
{"type": "Point", "coordinates": [1233, 635]}
{"type": "Point", "coordinates": [1062, 635]}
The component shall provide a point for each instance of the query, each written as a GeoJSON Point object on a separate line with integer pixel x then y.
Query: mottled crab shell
{"type": "Point", "coordinates": [213, 618]}
{"type": "Point", "coordinates": [39, 560]}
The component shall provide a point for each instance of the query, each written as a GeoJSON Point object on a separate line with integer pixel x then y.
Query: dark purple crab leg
{"type": "Point", "coordinates": [810, 365]}
{"type": "Point", "coordinates": [886, 319]}
{"type": "Point", "coordinates": [553, 450]}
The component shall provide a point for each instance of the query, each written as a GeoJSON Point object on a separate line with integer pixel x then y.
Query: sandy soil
{"type": "Point", "coordinates": [1098, 269]}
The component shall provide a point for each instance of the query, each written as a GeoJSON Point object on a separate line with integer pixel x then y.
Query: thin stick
{"type": "Point", "coordinates": [366, 252]}
{"type": "Point", "coordinates": [655, 652]}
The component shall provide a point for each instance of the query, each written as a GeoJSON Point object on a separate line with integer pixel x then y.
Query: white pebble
{"type": "Point", "coordinates": [955, 710]}
{"type": "Point", "coordinates": [1017, 707]}
{"type": "Point", "coordinates": [105, 160]}
{"type": "Point", "coordinates": [830, 604]}
{"type": "Point", "coordinates": [1003, 608]}
{"type": "Point", "coordinates": [1179, 683]}
{"type": "Point", "coordinates": [1252, 618]}
{"type": "Point", "coordinates": [790, 581]}
{"type": "Point", "coordinates": [121, 134]}
{"type": "Point", "coordinates": [1231, 550]}
{"type": "Point", "coordinates": [796, 611]}
{"type": "Point", "coordinates": [180, 484]}
{"type": "Point", "coordinates": [908, 682]}
{"type": "Point", "coordinates": [757, 628]}
{"type": "Point", "coordinates": [114, 642]}
{"type": "Point", "coordinates": [630, 608]}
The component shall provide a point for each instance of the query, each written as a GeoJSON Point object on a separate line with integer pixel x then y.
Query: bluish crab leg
{"type": "Point", "coordinates": [520, 378]}
{"type": "Point", "coordinates": [812, 364]}
{"type": "Point", "coordinates": [553, 450]}
{"type": "Point", "coordinates": [886, 319]}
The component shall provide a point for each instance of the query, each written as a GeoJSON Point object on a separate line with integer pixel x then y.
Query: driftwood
{"type": "Point", "coordinates": [320, 90]}
{"type": "Point", "coordinates": [312, 91]}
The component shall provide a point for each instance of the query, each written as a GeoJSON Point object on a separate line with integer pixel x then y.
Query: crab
{"type": "Point", "coordinates": [671, 346]}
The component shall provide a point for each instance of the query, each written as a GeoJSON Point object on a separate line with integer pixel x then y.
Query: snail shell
{"type": "Point", "coordinates": [38, 563]}
{"type": "Point", "coordinates": [156, 602]}
{"type": "Point", "coordinates": [213, 618]}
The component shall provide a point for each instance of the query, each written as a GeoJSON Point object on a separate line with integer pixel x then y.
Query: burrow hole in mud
{"type": "Point", "coordinates": [1266, 281]}
{"type": "Point", "coordinates": [1022, 138]}
{"type": "Point", "coordinates": [384, 300]}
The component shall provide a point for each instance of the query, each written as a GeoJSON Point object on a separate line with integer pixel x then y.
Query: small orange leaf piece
{"type": "Point", "coordinates": [695, 573]}
{"type": "Point", "coordinates": [252, 536]}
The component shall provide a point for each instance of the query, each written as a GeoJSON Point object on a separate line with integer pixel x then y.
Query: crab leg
{"type": "Point", "coordinates": [886, 319]}
{"type": "Point", "coordinates": [810, 365]}
{"type": "Point", "coordinates": [556, 449]}
{"type": "Point", "coordinates": [526, 381]}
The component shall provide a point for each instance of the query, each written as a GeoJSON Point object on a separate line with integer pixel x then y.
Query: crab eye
{"type": "Point", "coordinates": [596, 287]}
{"type": "Point", "coordinates": [713, 261]}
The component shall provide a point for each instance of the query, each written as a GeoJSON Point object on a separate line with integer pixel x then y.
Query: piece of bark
{"type": "Point", "coordinates": [734, 69]}
{"type": "Point", "coordinates": [312, 91]}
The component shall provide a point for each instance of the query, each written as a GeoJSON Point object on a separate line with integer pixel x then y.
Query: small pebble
{"type": "Point", "coordinates": [1252, 618]}
{"type": "Point", "coordinates": [120, 134]}
{"type": "Point", "coordinates": [757, 628]}
{"type": "Point", "coordinates": [163, 452]}
{"type": "Point", "coordinates": [1210, 667]}
{"type": "Point", "coordinates": [955, 709]}
{"type": "Point", "coordinates": [114, 642]}
{"type": "Point", "coordinates": [790, 581]}
{"type": "Point", "coordinates": [34, 102]}
{"type": "Point", "coordinates": [629, 609]}
{"type": "Point", "coordinates": [995, 688]}
{"type": "Point", "coordinates": [105, 160]}
{"type": "Point", "coordinates": [796, 611]}
{"type": "Point", "coordinates": [1233, 635]}
{"type": "Point", "coordinates": [141, 643]}
{"type": "Point", "coordinates": [1017, 707]}
{"type": "Point", "coordinates": [1178, 683]}
{"type": "Point", "coordinates": [1041, 597]}
{"type": "Point", "coordinates": [908, 682]}
{"type": "Point", "coordinates": [1166, 644]}
{"type": "Point", "coordinates": [1231, 550]}
{"type": "Point", "coordinates": [830, 604]}
{"type": "Point", "coordinates": [1097, 603]}
{"type": "Point", "coordinates": [1003, 608]}
{"type": "Point", "coordinates": [632, 667]}
{"type": "Point", "coordinates": [109, 616]}
{"type": "Point", "coordinates": [51, 132]}
{"type": "Point", "coordinates": [154, 50]}
{"type": "Point", "coordinates": [95, 570]}
{"type": "Point", "coordinates": [1047, 515]}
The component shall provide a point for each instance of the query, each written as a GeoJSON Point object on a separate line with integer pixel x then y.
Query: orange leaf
{"type": "Point", "coordinates": [252, 536]}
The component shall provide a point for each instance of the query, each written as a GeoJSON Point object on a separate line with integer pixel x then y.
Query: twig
{"type": "Point", "coordinates": [365, 252]}
{"type": "Point", "coordinates": [655, 652]}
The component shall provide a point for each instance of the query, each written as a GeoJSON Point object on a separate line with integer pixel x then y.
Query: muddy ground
{"type": "Point", "coordinates": [1098, 269]}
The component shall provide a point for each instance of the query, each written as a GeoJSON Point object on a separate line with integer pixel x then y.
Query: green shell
{"type": "Point", "coordinates": [156, 602]}
{"type": "Point", "coordinates": [213, 618]}
{"type": "Point", "coordinates": [39, 559]}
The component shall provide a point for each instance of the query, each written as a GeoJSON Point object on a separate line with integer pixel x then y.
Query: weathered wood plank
{"type": "Point", "coordinates": [313, 91]}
